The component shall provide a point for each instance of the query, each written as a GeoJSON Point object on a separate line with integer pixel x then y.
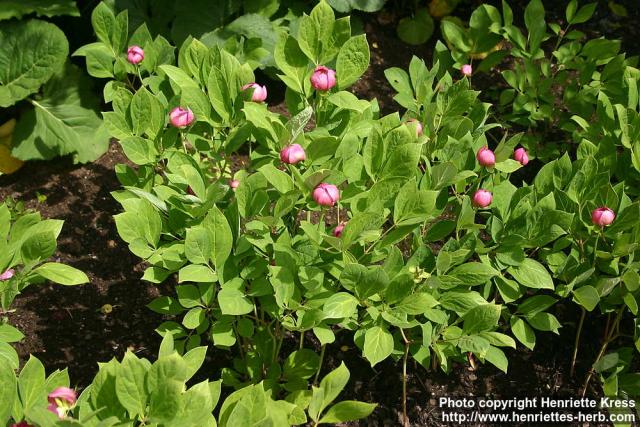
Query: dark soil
{"type": "Point", "coordinates": [65, 326]}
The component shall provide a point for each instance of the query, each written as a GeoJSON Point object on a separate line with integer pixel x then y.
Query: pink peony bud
{"type": "Point", "coordinates": [418, 126]}
{"type": "Point", "coordinates": [292, 154]}
{"type": "Point", "coordinates": [521, 156]}
{"type": "Point", "coordinates": [181, 117]}
{"type": "Point", "coordinates": [337, 232]}
{"type": "Point", "coordinates": [323, 78]}
{"type": "Point", "coordinates": [482, 198]}
{"type": "Point", "coordinates": [486, 157]}
{"type": "Point", "coordinates": [234, 183]}
{"type": "Point", "coordinates": [326, 194]}
{"type": "Point", "coordinates": [61, 400]}
{"type": "Point", "coordinates": [602, 216]}
{"type": "Point", "coordinates": [467, 70]}
{"type": "Point", "coordinates": [259, 92]}
{"type": "Point", "coordinates": [7, 274]}
{"type": "Point", "coordinates": [135, 54]}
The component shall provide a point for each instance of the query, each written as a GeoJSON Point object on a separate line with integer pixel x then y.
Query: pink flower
{"type": "Point", "coordinates": [323, 78]}
{"type": "Point", "coordinates": [418, 126]}
{"type": "Point", "coordinates": [234, 183]}
{"type": "Point", "coordinates": [337, 232]}
{"type": "Point", "coordinates": [521, 156]}
{"type": "Point", "coordinates": [61, 400]}
{"type": "Point", "coordinates": [486, 157]}
{"type": "Point", "coordinates": [326, 194]}
{"type": "Point", "coordinates": [181, 117]}
{"type": "Point", "coordinates": [292, 154]}
{"type": "Point", "coordinates": [482, 198]}
{"type": "Point", "coordinates": [602, 216]}
{"type": "Point", "coordinates": [7, 274]}
{"type": "Point", "coordinates": [467, 70]}
{"type": "Point", "coordinates": [259, 92]}
{"type": "Point", "coordinates": [135, 54]}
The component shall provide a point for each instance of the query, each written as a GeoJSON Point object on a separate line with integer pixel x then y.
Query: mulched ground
{"type": "Point", "coordinates": [65, 326]}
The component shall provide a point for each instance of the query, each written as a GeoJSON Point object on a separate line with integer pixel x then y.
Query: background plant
{"type": "Point", "coordinates": [51, 99]}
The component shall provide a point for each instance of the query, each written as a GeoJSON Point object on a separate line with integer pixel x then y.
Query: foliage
{"type": "Point", "coordinates": [135, 391]}
{"type": "Point", "coordinates": [27, 242]}
{"type": "Point", "coordinates": [34, 69]}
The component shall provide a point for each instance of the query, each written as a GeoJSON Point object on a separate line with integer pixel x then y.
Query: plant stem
{"type": "Point", "coordinates": [315, 380]}
{"type": "Point", "coordinates": [404, 378]}
{"type": "Point", "coordinates": [612, 335]}
{"type": "Point", "coordinates": [577, 342]}
{"type": "Point", "coordinates": [301, 340]}
{"type": "Point", "coordinates": [404, 384]}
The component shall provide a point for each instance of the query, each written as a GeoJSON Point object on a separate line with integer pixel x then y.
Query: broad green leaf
{"type": "Point", "coordinates": [64, 120]}
{"type": "Point", "coordinates": [378, 344]}
{"type": "Point", "coordinates": [353, 61]}
{"type": "Point", "coordinates": [532, 274]}
{"type": "Point", "coordinates": [340, 305]}
{"type": "Point", "coordinates": [348, 410]}
{"type": "Point", "coordinates": [31, 52]}
{"type": "Point", "coordinates": [61, 273]}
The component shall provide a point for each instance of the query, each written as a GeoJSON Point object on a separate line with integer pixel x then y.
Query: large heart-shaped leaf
{"type": "Point", "coordinates": [31, 53]}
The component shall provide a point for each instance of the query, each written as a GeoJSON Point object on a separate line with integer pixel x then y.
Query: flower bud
{"type": "Point", "coordinates": [418, 126]}
{"type": "Point", "coordinates": [181, 117]}
{"type": "Point", "coordinates": [326, 194]}
{"type": "Point", "coordinates": [61, 400]}
{"type": "Point", "coordinates": [521, 156]}
{"type": "Point", "coordinates": [486, 157]}
{"type": "Point", "coordinates": [292, 154]}
{"type": "Point", "coordinates": [7, 274]}
{"type": "Point", "coordinates": [602, 216]}
{"type": "Point", "coordinates": [234, 183]}
{"type": "Point", "coordinates": [467, 70]}
{"type": "Point", "coordinates": [21, 424]}
{"type": "Point", "coordinates": [337, 232]}
{"type": "Point", "coordinates": [323, 78]}
{"type": "Point", "coordinates": [259, 92]}
{"type": "Point", "coordinates": [482, 198]}
{"type": "Point", "coordinates": [135, 54]}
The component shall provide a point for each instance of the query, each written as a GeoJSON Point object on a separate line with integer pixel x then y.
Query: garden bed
{"type": "Point", "coordinates": [81, 326]}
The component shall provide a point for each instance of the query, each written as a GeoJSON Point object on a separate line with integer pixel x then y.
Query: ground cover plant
{"type": "Point", "coordinates": [441, 233]}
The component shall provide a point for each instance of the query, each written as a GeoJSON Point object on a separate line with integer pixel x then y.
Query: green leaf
{"type": "Point", "coordinates": [220, 236]}
{"type": "Point", "coordinates": [348, 410]}
{"type": "Point", "coordinates": [332, 384]}
{"type": "Point", "coordinates": [31, 52]}
{"type": "Point", "coordinates": [481, 318]}
{"type": "Point", "coordinates": [523, 332]}
{"type": "Point", "coordinates": [62, 274]}
{"type": "Point", "coordinates": [140, 151]}
{"type": "Point", "coordinates": [587, 296]}
{"type": "Point", "coordinates": [340, 305]}
{"type": "Point", "coordinates": [196, 273]}
{"type": "Point", "coordinates": [378, 344]}
{"type": "Point", "coordinates": [197, 247]}
{"type": "Point", "coordinates": [473, 273]}
{"type": "Point", "coordinates": [31, 383]}
{"type": "Point", "coordinates": [130, 384]}
{"type": "Point", "coordinates": [532, 274]}
{"type": "Point", "coordinates": [19, 8]}
{"type": "Point", "coordinates": [353, 61]}
{"type": "Point", "coordinates": [8, 391]}
{"type": "Point", "coordinates": [534, 20]}
{"type": "Point", "coordinates": [9, 334]}
{"type": "Point", "coordinates": [233, 302]}
{"type": "Point", "coordinates": [497, 358]}
{"type": "Point", "coordinates": [545, 322]}
{"type": "Point", "coordinates": [64, 121]}
{"type": "Point", "coordinates": [417, 29]}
